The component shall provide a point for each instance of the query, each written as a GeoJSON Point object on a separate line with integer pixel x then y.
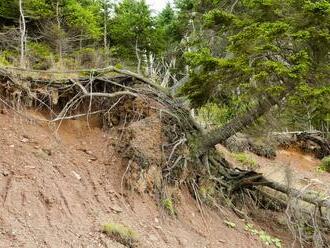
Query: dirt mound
{"type": "Point", "coordinates": [58, 185]}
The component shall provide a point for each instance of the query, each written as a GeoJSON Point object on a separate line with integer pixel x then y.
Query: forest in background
{"type": "Point", "coordinates": [199, 76]}
{"type": "Point", "coordinates": [225, 56]}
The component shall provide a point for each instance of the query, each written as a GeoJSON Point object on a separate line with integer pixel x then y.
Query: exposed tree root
{"type": "Point", "coordinates": [128, 97]}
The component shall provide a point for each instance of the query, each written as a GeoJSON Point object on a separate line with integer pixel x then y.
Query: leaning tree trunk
{"type": "Point", "coordinates": [237, 124]}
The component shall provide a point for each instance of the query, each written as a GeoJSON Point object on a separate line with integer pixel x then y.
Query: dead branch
{"type": "Point", "coordinates": [93, 71]}
{"type": "Point", "coordinates": [307, 196]}
{"type": "Point", "coordinates": [110, 95]}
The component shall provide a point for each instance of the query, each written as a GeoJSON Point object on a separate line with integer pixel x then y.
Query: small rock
{"type": "Point", "coordinates": [5, 173]}
{"type": "Point", "coordinates": [29, 167]}
{"type": "Point", "coordinates": [158, 227]}
{"type": "Point", "coordinates": [153, 238]}
{"type": "Point", "coordinates": [89, 152]}
{"type": "Point", "coordinates": [156, 220]}
{"type": "Point", "coordinates": [183, 242]}
{"type": "Point", "coordinates": [47, 151]}
{"type": "Point", "coordinates": [76, 175]}
{"type": "Point", "coordinates": [116, 209]}
{"type": "Point", "coordinates": [12, 146]}
{"type": "Point", "coordinates": [25, 140]}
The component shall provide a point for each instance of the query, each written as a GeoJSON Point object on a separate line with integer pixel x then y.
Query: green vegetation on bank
{"type": "Point", "coordinates": [238, 55]}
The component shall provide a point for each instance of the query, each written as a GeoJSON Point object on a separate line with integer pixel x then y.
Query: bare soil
{"type": "Point", "coordinates": [290, 166]}
{"type": "Point", "coordinates": [58, 185]}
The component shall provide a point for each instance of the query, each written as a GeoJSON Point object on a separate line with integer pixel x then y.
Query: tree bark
{"type": "Point", "coordinates": [137, 56]}
{"type": "Point", "coordinates": [60, 45]}
{"type": "Point", "coordinates": [220, 135]}
{"type": "Point", "coordinates": [105, 28]}
{"type": "Point", "coordinates": [22, 27]}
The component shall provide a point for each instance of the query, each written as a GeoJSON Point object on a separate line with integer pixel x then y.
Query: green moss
{"type": "Point", "coordinates": [119, 66]}
{"type": "Point", "coordinates": [325, 164]}
{"type": "Point", "coordinates": [121, 234]}
{"type": "Point", "coordinates": [245, 160]}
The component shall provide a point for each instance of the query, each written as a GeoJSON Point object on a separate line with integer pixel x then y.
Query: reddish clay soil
{"type": "Point", "coordinates": [296, 167]}
{"type": "Point", "coordinates": [293, 166]}
{"type": "Point", "coordinates": [58, 186]}
{"type": "Point", "coordinates": [290, 167]}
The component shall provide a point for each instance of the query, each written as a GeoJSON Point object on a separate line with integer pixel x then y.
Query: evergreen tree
{"type": "Point", "coordinates": [132, 29]}
{"type": "Point", "coordinates": [270, 47]}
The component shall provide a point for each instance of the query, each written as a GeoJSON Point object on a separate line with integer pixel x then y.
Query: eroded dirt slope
{"type": "Point", "coordinates": [290, 166]}
{"type": "Point", "coordinates": [58, 188]}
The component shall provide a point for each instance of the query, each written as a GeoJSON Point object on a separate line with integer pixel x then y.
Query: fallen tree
{"type": "Point", "coordinates": [187, 144]}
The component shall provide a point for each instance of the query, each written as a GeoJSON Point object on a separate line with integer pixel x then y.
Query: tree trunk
{"type": "Point", "coordinates": [22, 27]}
{"type": "Point", "coordinates": [105, 28]}
{"type": "Point", "coordinates": [220, 135]}
{"type": "Point", "coordinates": [138, 56]}
{"type": "Point", "coordinates": [60, 45]}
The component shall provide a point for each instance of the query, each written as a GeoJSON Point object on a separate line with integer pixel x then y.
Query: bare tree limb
{"type": "Point", "coordinates": [100, 94]}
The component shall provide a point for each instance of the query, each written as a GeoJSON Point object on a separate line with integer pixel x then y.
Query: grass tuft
{"type": "Point", "coordinates": [122, 234]}
{"type": "Point", "coordinates": [325, 164]}
{"type": "Point", "coordinates": [168, 205]}
{"type": "Point", "coordinates": [245, 160]}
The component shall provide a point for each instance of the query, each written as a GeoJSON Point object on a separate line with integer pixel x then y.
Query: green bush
{"type": "Point", "coordinates": [86, 57]}
{"type": "Point", "coordinates": [121, 234]}
{"type": "Point", "coordinates": [325, 164]}
{"type": "Point", "coordinates": [39, 55]}
{"type": "Point", "coordinates": [8, 57]}
{"type": "Point", "coordinates": [3, 61]}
